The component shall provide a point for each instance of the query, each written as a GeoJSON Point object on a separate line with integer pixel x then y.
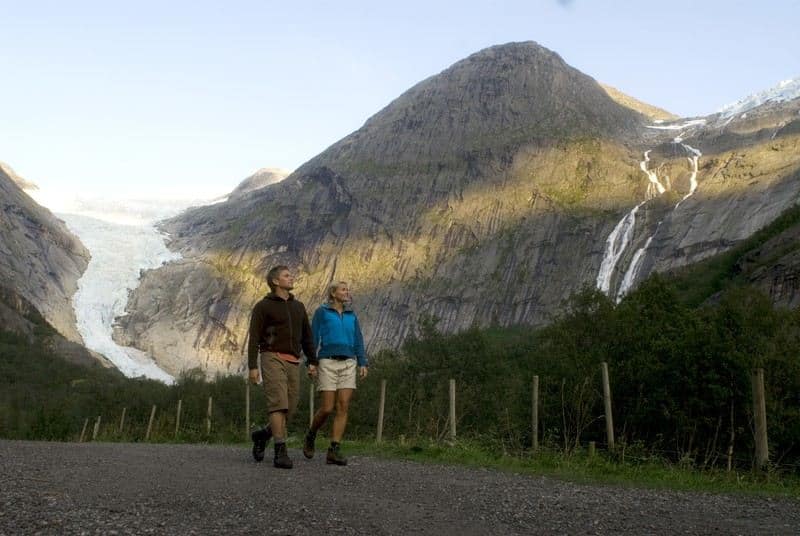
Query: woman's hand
{"type": "Point", "coordinates": [254, 376]}
{"type": "Point", "coordinates": [362, 372]}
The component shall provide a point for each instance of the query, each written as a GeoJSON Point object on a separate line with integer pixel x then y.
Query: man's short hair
{"type": "Point", "coordinates": [274, 273]}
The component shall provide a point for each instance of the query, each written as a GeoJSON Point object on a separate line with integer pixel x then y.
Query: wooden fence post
{"type": "Point", "coordinates": [96, 428]}
{"type": "Point", "coordinates": [247, 410]}
{"type": "Point", "coordinates": [122, 421]}
{"type": "Point", "coordinates": [246, 388]}
{"type": "Point", "coordinates": [208, 416]}
{"type": "Point", "coordinates": [452, 409]}
{"type": "Point", "coordinates": [591, 449]}
{"type": "Point", "coordinates": [607, 403]}
{"type": "Point", "coordinates": [83, 431]}
{"type": "Point", "coordinates": [178, 417]}
{"type": "Point", "coordinates": [732, 438]}
{"type": "Point", "coordinates": [381, 405]}
{"type": "Point", "coordinates": [535, 415]}
{"type": "Point", "coordinates": [310, 404]}
{"type": "Point", "coordinates": [760, 415]}
{"type": "Point", "coordinates": [150, 423]}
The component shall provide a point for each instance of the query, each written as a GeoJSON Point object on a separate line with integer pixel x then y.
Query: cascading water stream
{"type": "Point", "coordinates": [633, 269]}
{"type": "Point", "coordinates": [693, 161]}
{"type": "Point", "coordinates": [619, 238]}
{"type": "Point", "coordinates": [615, 246]}
{"type": "Point", "coordinates": [652, 176]}
{"type": "Point", "coordinates": [638, 258]}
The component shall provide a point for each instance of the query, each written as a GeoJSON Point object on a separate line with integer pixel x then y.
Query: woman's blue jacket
{"type": "Point", "coordinates": [338, 334]}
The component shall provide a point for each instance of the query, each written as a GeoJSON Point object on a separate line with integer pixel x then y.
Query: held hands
{"type": "Point", "coordinates": [254, 376]}
{"type": "Point", "coordinates": [362, 372]}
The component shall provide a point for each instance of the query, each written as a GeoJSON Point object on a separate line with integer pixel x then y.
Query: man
{"type": "Point", "coordinates": [279, 330]}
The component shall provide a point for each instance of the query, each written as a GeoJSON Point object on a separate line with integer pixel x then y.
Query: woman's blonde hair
{"type": "Point", "coordinates": [332, 288]}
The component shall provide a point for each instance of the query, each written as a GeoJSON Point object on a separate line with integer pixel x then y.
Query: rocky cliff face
{"type": "Point", "coordinates": [39, 258]}
{"type": "Point", "coordinates": [483, 194]}
{"type": "Point", "coordinates": [775, 268]}
{"type": "Point", "coordinates": [19, 316]}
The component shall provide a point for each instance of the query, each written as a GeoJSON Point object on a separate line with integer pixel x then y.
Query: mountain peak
{"type": "Point", "coordinates": [261, 178]}
{"type": "Point", "coordinates": [496, 100]}
{"type": "Point", "coordinates": [521, 49]}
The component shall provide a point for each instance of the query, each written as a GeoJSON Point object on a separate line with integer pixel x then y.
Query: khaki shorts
{"type": "Point", "coordinates": [281, 383]}
{"type": "Point", "coordinates": [333, 374]}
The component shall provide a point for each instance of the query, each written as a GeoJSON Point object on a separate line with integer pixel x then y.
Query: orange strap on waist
{"type": "Point", "coordinates": [289, 358]}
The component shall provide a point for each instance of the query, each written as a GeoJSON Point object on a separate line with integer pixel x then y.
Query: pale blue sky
{"type": "Point", "coordinates": [158, 98]}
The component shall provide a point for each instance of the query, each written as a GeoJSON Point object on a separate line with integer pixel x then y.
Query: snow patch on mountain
{"type": "Point", "coordinates": [784, 91]}
{"type": "Point", "coordinates": [677, 126]}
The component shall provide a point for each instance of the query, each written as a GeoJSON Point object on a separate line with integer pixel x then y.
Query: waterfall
{"type": "Point", "coordinates": [638, 258]}
{"type": "Point", "coordinates": [620, 237]}
{"type": "Point", "coordinates": [615, 246]}
{"type": "Point", "coordinates": [651, 175]}
{"type": "Point", "coordinates": [693, 160]}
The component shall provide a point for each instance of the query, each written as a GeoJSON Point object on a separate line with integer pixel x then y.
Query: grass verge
{"type": "Point", "coordinates": [648, 472]}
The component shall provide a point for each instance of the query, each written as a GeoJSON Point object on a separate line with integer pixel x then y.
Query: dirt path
{"type": "Point", "coordinates": [96, 488]}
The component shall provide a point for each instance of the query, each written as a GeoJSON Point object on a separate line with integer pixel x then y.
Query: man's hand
{"type": "Point", "coordinates": [312, 371]}
{"type": "Point", "coordinates": [362, 372]}
{"type": "Point", "coordinates": [254, 375]}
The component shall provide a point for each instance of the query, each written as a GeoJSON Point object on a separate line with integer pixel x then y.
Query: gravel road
{"type": "Point", "coordinates": [102, 488]}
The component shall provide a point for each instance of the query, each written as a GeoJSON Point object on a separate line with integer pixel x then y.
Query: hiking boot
{"type": "Point", "coordinates": [282, 459]}
{"type": "Point", "coordinates": [333, 456]}
{"type": "Point", "coordinates": [308, 444]}
{"type": "Point", "coordinates": [260, 439]}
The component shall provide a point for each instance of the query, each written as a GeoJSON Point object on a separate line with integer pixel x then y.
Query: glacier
{"type": "Point", "coordinates": [783, 91]}
{"type": "Point", "coordinates": [119, 252]}
{"type": "Point", "coordinates": [123, 240]}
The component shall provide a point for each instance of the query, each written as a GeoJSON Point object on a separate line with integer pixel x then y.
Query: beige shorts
{"type": "Point", "coordinates": [281, 383]}
{"type": "Point", "coordinates": [333, 374]}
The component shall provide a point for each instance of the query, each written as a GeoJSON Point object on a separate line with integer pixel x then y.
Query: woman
{"type": "Point", "coordinates": [337, 337]}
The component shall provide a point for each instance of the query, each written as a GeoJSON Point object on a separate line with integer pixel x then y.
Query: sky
{"type": "Point", "coordinates": [177, 99]}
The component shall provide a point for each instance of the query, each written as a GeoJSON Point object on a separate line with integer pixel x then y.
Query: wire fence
{"type": "Point", "coordinates": [442, 417]}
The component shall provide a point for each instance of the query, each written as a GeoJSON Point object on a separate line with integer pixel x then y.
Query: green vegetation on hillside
{"type": "Point", "coordinates": [680, 378]}
{"type": "Point", "coordinates": [45, 397]}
